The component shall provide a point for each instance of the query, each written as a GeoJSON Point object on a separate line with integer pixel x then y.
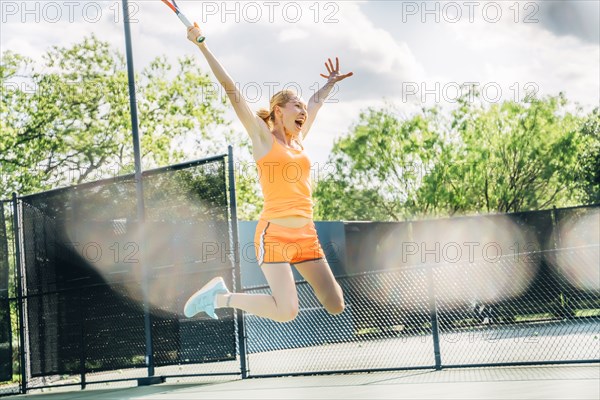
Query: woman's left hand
{"type": "Point", "coordinates": [334, 73]}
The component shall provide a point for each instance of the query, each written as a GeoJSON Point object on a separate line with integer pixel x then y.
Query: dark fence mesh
{"type": "Point", "coordinates": [485, 290]}
{"type": "Point", "coordinates": [84, 250]}
{"type": "Point", "coordinates": [10, 351]}
{"type": "Point", "coordinates": [363, 337]}
{"type": "Point", "coordinates": [6, 352]}
{"type": "Point", "coordinates": [196, 231]}
{"type": "Point", "coordinates": [501, 289]}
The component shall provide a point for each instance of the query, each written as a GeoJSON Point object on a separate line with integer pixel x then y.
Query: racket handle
{"type": "Point", "coordinates": [189, 25]}
{"type": "Point", "coordinates": [200, 38]}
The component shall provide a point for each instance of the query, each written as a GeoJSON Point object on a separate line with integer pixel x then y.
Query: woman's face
{"type": "Point", "coordinates": [293, 116]}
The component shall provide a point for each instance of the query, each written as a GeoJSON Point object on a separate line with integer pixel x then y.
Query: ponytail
{"type": "Point", "coordinates": [266, 116]}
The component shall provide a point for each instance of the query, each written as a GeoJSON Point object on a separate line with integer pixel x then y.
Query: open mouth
{"type": "Point", "coordinates": [299, 123]}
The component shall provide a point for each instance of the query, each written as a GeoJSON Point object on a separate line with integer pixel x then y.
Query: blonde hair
{"type": "Point", "coordinates": [280, 99]}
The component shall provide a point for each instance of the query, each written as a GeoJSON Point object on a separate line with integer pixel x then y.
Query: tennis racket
{"type": "Point", "coordinates": [173, 6]}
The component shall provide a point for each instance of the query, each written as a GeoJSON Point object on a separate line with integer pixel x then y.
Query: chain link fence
{"type": "Point", "coordinates": [470, 291]}
{"type": "Point", "coordinates": [90, 270]}
{"type": "Point", "coordinates": [10, 325]}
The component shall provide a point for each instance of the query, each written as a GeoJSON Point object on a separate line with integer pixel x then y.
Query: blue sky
{"type": "Point", "coordinates": [411, 53]}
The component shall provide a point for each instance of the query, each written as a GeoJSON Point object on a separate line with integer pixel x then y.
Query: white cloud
{"type": "Point", "coordinates": [293, 34]}
{"type": "Point", "coordinates": [368, 37]}
{"type": "Point", "coordinates": [514, 55]}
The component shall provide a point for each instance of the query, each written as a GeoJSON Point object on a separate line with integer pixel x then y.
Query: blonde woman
{"type": "Point", "coordinates": [285, 234]}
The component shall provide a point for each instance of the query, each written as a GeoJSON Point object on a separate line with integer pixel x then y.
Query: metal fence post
{"type": "Point", "coordinates": [20, 294]}
{"type": "Point", "coordinates": [139, 192]}
{"type": "Point", "coordinates": [564, 302]}
{"type": "Point", "coordinates": [236, 254]}
{"type": "Point", "coordinates": [434, 319]}
{"type": "Point", "coordinates": [82, 340]}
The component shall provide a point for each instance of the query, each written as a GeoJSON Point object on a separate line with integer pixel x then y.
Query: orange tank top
{"type": "Point", "coordinates": [284, 175]}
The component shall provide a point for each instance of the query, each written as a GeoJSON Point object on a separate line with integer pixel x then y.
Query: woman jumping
{"type": "Point", "coordinates": [285, 234]}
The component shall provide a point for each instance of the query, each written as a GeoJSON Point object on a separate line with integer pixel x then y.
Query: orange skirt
{"type": "Point", "coordinates": [279, 244]}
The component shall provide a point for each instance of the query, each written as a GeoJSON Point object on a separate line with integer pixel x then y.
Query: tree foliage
{"type": "Point", "coordinates": [66, 119]}
{"type": "Point", "coordinates": [587, 173]}
{"type": "Point", "coordinates": [506, 157]}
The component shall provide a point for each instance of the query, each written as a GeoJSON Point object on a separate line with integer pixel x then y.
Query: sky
{"type": "Point", "coordinates": [408, 53]}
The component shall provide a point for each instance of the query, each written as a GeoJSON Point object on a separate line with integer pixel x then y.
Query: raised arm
{"type": "Point", "coordinates": [254, 125]}
{"type": "Point", "coordinates": [316, 101]}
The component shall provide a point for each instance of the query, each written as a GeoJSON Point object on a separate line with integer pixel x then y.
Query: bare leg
{"type": "Point", "coordinates": [318, 274]}
{"type": "Point", "coordinates": [281, 305]}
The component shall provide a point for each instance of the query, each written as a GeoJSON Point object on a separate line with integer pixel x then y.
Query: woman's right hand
{"type": "Point", "coordinates": [193, 33]}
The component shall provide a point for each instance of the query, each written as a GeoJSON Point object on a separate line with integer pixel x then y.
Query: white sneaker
{"type": "Point", "coordinates": [204, 299]}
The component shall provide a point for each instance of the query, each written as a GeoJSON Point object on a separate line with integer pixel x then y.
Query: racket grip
{"type": "Point", "coordinates": [200, 38]}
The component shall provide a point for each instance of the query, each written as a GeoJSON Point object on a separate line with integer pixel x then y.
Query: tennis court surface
{"type": "Point", "coordinates": [531, 382]}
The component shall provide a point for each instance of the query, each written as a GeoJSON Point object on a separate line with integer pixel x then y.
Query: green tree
{"type": "Point", "coordinates": [587, 176]}
{"type": "Point", "coordinates": [66, 119]}
{"type": "Point", "coordinates": [506, 157]}
{"type": "Point", "coordinates": [376, 169]}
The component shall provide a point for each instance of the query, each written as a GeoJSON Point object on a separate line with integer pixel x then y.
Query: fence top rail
{"type": "Point", "coordinates": [120, 178]}
{"type": "Point", "coordinates": [457, 217]}
{"type": "Point", "coordinates": [594, 205]}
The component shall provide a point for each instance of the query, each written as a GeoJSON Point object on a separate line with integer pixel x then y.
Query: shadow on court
{"type": "Point", "coordinates": [538, 382]}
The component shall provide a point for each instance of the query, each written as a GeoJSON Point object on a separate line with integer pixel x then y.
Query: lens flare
{"type": "Point", "coordinates": [178, 254]}
{"type": "Point", "coordinates": [577, 257]}
{"type": "Point", "coordinates": [468, 260]}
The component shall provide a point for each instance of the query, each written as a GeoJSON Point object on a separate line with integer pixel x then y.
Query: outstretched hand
{"type": "Point", "coordinates": [334, 73]}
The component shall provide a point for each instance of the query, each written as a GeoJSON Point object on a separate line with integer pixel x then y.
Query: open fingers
{"type": "Point", "coordinates": [337, 64]}
{"type": "Point", "coordinates": [331, 69]}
